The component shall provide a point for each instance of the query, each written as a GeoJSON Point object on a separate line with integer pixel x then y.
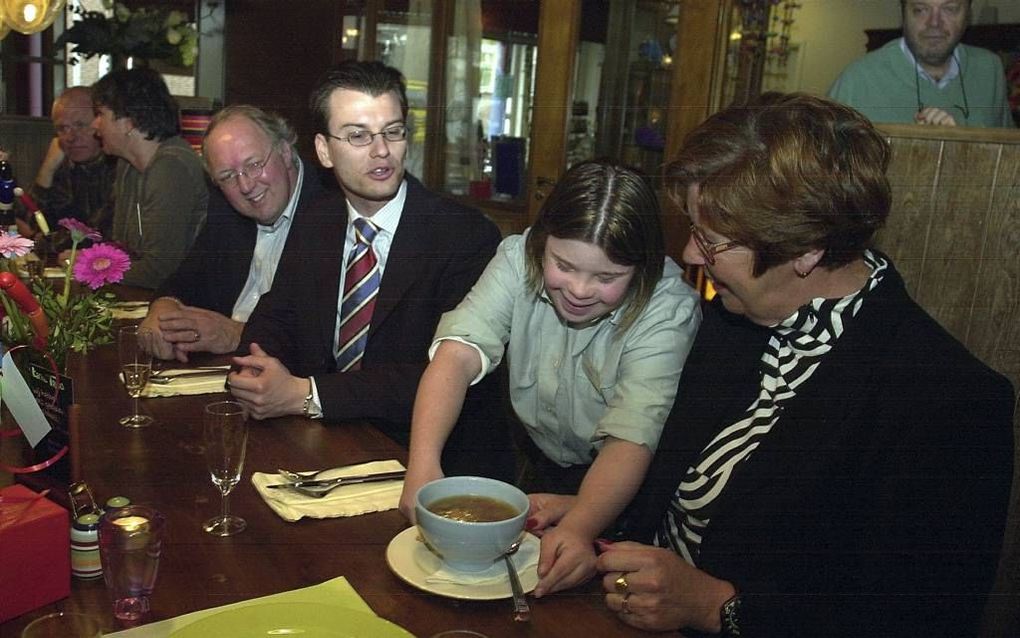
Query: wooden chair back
{"type": "Point", "coordinates": [954, 235]}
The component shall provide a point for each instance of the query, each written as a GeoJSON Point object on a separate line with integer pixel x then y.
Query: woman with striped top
{"type": "Point", "coordinates": [835, 463]}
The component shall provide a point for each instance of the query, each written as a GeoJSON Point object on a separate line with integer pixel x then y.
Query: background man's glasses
{"type": "Point", "coordinates": [66, 129]}
{"type": "Point", "coordinates": [251, 170]}
{"type": "Point", "coordinates": [362, 137]}
{"type": "Point", "coordinates": [965, 109]}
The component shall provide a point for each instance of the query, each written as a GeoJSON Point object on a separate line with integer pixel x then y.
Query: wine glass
{"type": "Point", "coordinates": [136, 366]}
{"type": "Point", "coordinates": [226, 433]}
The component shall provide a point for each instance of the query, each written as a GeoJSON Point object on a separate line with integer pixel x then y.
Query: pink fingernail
{"type": "Point", "coordinates": [603, 544]}
{"type": "Point", "coordinates": [531, 523]}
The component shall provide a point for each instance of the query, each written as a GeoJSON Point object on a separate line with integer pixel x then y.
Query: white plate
{"type": "Point", "coordinates": [413, 563]}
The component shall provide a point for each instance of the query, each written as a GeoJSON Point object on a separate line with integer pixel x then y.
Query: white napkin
{"type": "Point", "coordinates": [349, 500]}
{"type": "Point", "coordinates": [526, 558]}
{"type": "Point", "coordinates": [129, 310]}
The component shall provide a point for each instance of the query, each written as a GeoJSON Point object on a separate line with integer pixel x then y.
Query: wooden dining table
{"type": "Point", "coordinates": [162, 466]}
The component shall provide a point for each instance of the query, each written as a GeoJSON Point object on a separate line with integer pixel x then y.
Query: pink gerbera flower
{"type": "Point", "coordinates": [101, 264]}
{"type": "Point", "coordinates": [79, 230]}
{"type": "Point", "coordinates": [14, 245]}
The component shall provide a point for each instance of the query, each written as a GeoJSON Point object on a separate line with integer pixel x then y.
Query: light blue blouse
{"type": "Point", "coordinates": [572, 387]}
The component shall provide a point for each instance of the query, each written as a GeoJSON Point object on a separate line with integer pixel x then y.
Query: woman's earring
{"type": "Point", "coordinates": [800, 274]}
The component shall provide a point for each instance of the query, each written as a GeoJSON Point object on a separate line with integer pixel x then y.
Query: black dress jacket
{"type": "Point", "coordinates": [438, 252]}
{"type": "Point", "coordinates": [876, 505]}
{"type": "Point", "coordinates": [213, 274]}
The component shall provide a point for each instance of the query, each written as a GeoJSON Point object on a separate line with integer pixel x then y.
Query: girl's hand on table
{"type": "Point", "coordinates": [566, 559]}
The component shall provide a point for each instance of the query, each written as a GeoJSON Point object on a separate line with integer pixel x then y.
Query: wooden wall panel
{"type": "Point", "coordinates": [954, 234]}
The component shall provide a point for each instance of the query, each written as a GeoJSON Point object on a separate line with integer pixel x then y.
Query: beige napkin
{"type": "Point", "coordinates": [526, 558]}
{"type": "Point", "coordinates": [129, 310]}
{"type": "Point", "coordinates": [350, 500]}
{"type": "Point", "coordinates": [202, 384]}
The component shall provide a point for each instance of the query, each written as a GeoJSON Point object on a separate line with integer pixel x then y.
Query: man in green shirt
{"type": "Point", "coordinates": [927, 76]}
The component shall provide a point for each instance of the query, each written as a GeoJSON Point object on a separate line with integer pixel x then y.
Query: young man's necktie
{"type": "Point", "coordinates": [361, 285]}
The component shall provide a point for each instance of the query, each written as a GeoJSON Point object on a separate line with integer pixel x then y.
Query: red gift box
{"type": "Point", "coordinates": [35, 552]}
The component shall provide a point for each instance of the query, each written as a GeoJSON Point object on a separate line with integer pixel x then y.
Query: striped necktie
{"type": "Point", "coordinates": [361, 285]}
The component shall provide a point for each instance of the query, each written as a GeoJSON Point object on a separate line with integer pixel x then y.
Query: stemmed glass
{"type": "Point", "coordinates": [136, 366]}
{"type": "Point", "coordinates": [226, 434]}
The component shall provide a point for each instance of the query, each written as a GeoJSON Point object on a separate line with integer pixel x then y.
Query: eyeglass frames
{"type": "Point", "coordinates": [77, 127]}
{"type": "Point", "coordinates": [710, 249]}
{"type": "Point", "coordinates": [965, 109]}
{"type": "Point", "coordinates": [361, 137]}
{"type": "Point", "coordinates": [251, 170]}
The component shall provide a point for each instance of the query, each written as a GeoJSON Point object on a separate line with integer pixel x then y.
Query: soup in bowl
{"type": "Point", "coordinates": [469, 520]}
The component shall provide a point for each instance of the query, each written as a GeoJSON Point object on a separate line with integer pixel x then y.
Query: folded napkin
{"type": "Point", "coordinates": [332, 592]}
{"type": "Point", "coordinates": [129, 310]}
{"type": "Point", "coordinates": [201, 384]}
{"type": "Point", "coordinates": [349, 500]}
{"type": "Point", "coordinates": [525, 559]}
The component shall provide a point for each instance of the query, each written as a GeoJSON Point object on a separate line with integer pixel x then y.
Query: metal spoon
{"type": "Point", "coordinates": [522, 611]}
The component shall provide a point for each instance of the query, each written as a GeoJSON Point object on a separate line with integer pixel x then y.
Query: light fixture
{"type": "Point", "coordinates": [31, 16]}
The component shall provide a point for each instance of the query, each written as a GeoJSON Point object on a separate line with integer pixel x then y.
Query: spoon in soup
{"type": "Point", "coordinates": [522, 611]}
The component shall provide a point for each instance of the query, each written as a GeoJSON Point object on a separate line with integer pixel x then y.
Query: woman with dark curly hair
{"type": "Point", "coordinates": [160, 194]}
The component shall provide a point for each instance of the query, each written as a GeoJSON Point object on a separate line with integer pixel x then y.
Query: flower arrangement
{"type": "Point", "coordinates": [148, 33]}
{"type": "Point", "coordinates": [79, 320]}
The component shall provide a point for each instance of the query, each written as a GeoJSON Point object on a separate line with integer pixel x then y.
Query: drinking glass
{"type": "Point", "coordinates": [226, 434]}
{"type": "Point", "coordinates": [63, 624]}
{"type": "Point", "coordinates": [130, 543]}
{"type": "Point", "coordinates": [136, 366]}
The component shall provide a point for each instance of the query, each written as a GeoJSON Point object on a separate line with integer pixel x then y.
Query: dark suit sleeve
{"type": "Point", "coordinates": [215, 270]}
{"type": "Point", "coordinates": [386, 391]}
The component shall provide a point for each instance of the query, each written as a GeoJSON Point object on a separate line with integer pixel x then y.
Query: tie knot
{"type": "Point", "coordinates": [365, 229]}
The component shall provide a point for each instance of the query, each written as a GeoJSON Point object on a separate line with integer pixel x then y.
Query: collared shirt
{"type": "Point", "coordinates": [950, 74]}
{"type": "Point", "coordinates": [269, 243]}
{"type": "Point", "coordinates": [574, 386]}
{"type": "Point", "coordinates": [81, 191]}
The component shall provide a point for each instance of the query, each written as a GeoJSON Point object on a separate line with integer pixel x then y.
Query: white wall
{"type": "Point", "coordinates": [831, 32]}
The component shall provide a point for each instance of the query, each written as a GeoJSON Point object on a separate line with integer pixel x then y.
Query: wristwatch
{"type": "Point", "coordinates": [729, 617]}
{"type": "Point", "coordinates": [310, 409]}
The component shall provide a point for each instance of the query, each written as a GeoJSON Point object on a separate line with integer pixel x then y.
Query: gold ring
{"type": "Point", "coordinates": [621, 584]}
{"type": "Point", "coordinates": [625, 603]}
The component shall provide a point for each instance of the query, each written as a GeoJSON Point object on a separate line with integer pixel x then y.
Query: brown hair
{"type": "Point", "coordinates": [614, 208]}
{"type": "Point", "coordinates": [785, 174]}
{"type": "Point", "coordinates": [369, 77]}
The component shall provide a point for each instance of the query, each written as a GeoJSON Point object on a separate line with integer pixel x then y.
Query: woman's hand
{"type": "Point", "coordinates": [547, 510]}
{"type": "Point", "coordinates": [566, 559]}
{"type": "Point", "coordinates": [663, 591]}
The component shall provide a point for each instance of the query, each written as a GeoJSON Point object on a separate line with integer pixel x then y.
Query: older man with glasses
{"type": "Point", "coordinates": [928, 76]}
{"type": "Point", "coordinates": [262, 183]}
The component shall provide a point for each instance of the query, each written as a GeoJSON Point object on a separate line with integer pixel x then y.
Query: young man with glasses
{"type": "Point", "coordinates": [927, 76]}
{"type": "Point", "coordinates": [368, 272]}
{"type": "Point", "coordinates": [75, 178]}
{"type": "Point", "coordinates": [249, 154]}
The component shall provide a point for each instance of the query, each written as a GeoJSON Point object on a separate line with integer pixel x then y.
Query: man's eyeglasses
{"type": "Point", "coordinates": [251, 170]}
{"type": "Point", "coordinates": [77, 127]}
{"type": "Point", "coordinates": [709, 249]}
{"type": "Point", "coordinates": [362, 137]}
{"type": "Point", "coordinates": [965, 109]}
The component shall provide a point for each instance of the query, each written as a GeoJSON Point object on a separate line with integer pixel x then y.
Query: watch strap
{"type": "Point", "coordinates": [729, 617]}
